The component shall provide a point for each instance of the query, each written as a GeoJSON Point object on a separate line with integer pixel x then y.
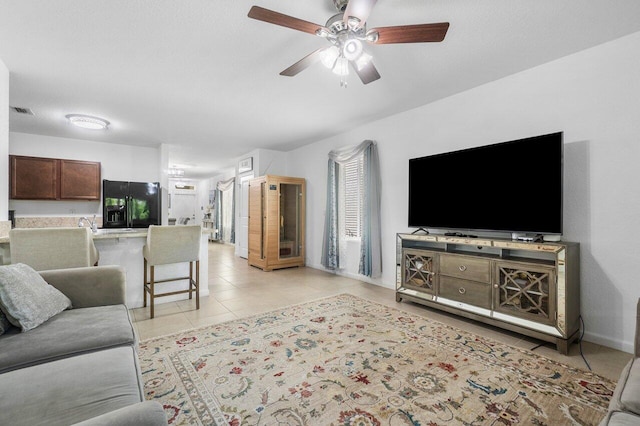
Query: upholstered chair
{"type": "Point", "coordinates": [171, 245]}
{"type": "Point", "coordinates": [53, 248]}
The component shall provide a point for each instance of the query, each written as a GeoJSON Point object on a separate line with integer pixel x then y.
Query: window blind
{"type": "Point", "coordinates": [353, 186]}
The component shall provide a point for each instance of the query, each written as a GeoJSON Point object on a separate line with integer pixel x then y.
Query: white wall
{"type": "Point", "coordinates": [4, 141]}
{"type": "Point", "coordinates": [164, 151]}
{"type": "Point", "coordinates": [118, 162]}
{"type": "Point", "coordinates": [271, 162]}
{"type": "Point", "coordinates": [265, 161]}
{"type": "Point", "coordinates": [594, 98]}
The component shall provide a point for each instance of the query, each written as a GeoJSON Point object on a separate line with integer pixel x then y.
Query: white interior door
{"type": "Point", "coordinates": [184, 206]}
{"type": "Point", "coordinates": [243, 228]}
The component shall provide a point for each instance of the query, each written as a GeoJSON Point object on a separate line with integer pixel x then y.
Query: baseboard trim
{"type": "Point", "coordinates": [374, 281]}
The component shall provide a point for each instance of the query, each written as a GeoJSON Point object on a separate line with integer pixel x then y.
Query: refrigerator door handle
{"type": "Point", "coordinates": [128, 203]}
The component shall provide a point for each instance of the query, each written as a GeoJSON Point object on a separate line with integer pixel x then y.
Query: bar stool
{"type": "Point", "coordinates": [53, 248]}
{"type": "Point", "coordinates": [170, 245]}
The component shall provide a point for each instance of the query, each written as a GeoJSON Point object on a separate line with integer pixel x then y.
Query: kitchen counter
{"type": "Point", "coordinates": [102, 234]}
{"type": "Point", "coordinates": [123, 247]}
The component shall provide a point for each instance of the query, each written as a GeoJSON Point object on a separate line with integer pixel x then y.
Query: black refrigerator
{"type": "Point", "coordinates": [130, 204]}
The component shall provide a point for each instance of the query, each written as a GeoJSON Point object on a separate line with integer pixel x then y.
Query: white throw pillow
{"type": "Point", "coordinates": [26, 298]}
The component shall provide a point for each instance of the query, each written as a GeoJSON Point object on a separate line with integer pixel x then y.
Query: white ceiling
{"type": "Point", "coordinates": [201, 76]}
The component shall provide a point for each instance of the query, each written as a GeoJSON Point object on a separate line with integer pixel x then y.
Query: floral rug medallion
{"type": "Point", "coordinates": [345, 361]}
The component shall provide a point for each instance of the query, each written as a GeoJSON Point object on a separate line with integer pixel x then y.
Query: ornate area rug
{"type": "Point", "coordinates": [348, 361]}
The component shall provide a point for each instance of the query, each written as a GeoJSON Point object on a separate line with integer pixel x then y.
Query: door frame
{"type": "Point", "coordinates": [242, 230]}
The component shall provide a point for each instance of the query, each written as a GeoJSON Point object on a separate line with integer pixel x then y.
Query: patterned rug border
{"type": "Point", "coordinates": [347, 359]}
{"type": "Point", "coordinates": [359, 298]}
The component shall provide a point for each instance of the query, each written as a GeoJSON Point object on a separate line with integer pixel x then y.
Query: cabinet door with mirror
{"type": "Point", "coordinates": [419, 268]}
{"type": "Point", "coordinates": [525, 290]}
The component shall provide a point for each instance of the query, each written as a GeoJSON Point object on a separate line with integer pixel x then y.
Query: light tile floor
{"type": "Point", "coordinates": [237, 290]}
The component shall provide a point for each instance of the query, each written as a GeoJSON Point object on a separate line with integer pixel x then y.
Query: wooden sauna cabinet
{"type": "Point", "coordinates": [276, 222]}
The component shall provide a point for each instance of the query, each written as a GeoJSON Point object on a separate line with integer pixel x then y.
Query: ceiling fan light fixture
{"type": "Point", "coordinates": [363, 61]}
{"type": "Point", "coordinates": [87, 121]}
{"type": "Point", "coordinates": [352, 49]}
{"type": "Point", "coordinates": [329, 56]}
{"type": "Point", "coordinates": [346, 31]}
{"type": "Point", "coordinates": [341, 67]}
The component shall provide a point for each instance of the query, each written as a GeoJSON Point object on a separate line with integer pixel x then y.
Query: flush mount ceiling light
{"type": "Point", "coordinates": [87, 121]}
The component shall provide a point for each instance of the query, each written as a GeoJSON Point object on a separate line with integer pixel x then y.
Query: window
{"type": "Point", "coordinates": [356, 183]}
{"type": "Point", "coordinates": [352, 187]}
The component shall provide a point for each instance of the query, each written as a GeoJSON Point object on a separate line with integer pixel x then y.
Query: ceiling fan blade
{"type": "Point", "coordinates": [277, 18]}
{"type": "Point", "coordinates": [420, 33]}
{"type": "Point", "coordinates": [304, 63]}
{"type": "Point", "coordinates": [359, 9]}
{"type": "Point", "coordinates": [367, 73]}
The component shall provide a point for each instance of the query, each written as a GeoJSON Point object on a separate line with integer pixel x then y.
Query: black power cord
{"type": "Point", "coordinates": [579, 343]}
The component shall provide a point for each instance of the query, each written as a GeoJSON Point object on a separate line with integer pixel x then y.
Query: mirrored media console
{"type": "Point", "coordinates": [527, 287]}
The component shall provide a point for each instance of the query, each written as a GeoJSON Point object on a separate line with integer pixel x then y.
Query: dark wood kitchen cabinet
{"type": "Point", "coordinates": [37, 178]}
{"type": "Point", "coordinates": [33, 178]}
{"type": "Point", "coordinates": [79, 180]}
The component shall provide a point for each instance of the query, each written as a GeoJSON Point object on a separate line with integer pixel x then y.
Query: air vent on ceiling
{"type": "Point", "coordinates": [21, 110]}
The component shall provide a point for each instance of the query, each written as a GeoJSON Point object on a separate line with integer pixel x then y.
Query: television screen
{"type": "Point", "coordinates": [512, 186]}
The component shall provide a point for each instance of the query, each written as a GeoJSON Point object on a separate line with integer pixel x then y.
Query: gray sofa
{"type": "Point", "coordinates": [81, 365]}
{"type": "Point", "coordinates": [624, 409]}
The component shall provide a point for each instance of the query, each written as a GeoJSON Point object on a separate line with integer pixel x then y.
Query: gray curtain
{"type": "Point", "coordinates": [330, 251]}
{"type": "Point", "coordinates": [218, 214]}
{"type": "Point", "coordinates": [370, 243]}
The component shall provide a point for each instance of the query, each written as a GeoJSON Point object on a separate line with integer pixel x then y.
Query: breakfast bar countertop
{"type": "Point", "coordinates": [103, 234]}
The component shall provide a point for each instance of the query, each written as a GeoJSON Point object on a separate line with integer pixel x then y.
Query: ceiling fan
{"type": "Point", "coordinates": [346, 31]}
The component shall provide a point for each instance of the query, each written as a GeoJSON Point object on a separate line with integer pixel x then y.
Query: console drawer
{"type": "Point", "coordinates": [465, 291]}
{"type": "Point", "coordinates": [469, 268]}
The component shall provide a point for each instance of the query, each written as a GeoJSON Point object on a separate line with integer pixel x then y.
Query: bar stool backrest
{"type": "Point", "coordinates": [52, 248]}
{"type": "Point", "coordinates": [172, 244]}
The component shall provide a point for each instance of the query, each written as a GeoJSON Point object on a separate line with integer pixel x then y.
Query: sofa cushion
{"type": "Point", "coordinates": [625, 396]}
{"type": "Point", "coordinates": [71, 390]}
{"type": "Point", "coordinates": [26, 299]}
{"type": "Point", "coordinates": [148, 413]}
{"type": "Point", "coordinates": [71, 332]}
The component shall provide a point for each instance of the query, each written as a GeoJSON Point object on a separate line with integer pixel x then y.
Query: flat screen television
{"type": "Point", "coordinates": [513, 186]}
